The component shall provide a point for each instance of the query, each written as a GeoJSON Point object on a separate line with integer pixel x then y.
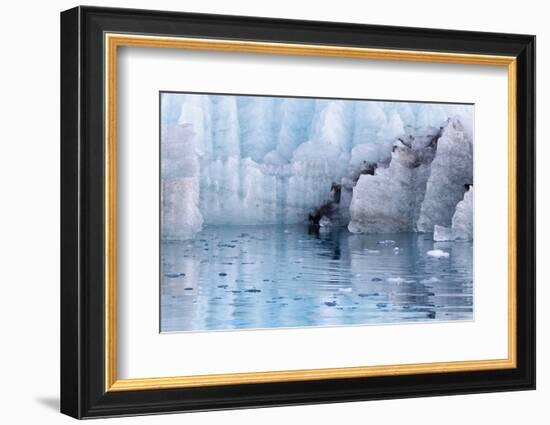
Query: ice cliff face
{"type": "Point", "coordinates": [462, 226]}
{"type": "Point", "coordinates": [180, 185]}
{"type": "Point", "coordinates": [462, 222]}
{"type": "Point", "coordinates": [425, 179]}
{"type": "Point", "coordinates": [451, 170]}
{"type": "Point", "coordinates": [267, 160]}
{"type": "Point", "coordinates": [390, 199]}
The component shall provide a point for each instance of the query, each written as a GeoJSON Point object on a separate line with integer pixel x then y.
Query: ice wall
{"type": "Point", "coordinates": [427, 174]}
{"type": "Point", "coordinates": [180, 183]}
{"type": "Point", "coordinates": [462, 226]}
{"type": "Point", "coordinates": [268, 160]}
{"type": "Point", "coordinates": [451, 170]}
{"type": "Point", "coordinates": [462, 222]}
{"type": "Point", "coordinates": [390, 199]}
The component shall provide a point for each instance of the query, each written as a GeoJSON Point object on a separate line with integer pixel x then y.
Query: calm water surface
{"type": "Point", "coordinates": [274, 276]}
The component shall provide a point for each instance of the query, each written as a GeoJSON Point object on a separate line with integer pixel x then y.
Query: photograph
{"type": "Point", "coordinates": [289, 212]}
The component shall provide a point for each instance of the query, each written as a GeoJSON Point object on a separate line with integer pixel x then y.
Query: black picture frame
{"type": "Point", "coordinates": [83, 392]}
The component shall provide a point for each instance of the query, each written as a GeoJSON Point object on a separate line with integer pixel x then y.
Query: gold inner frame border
{"type": "Point", "coordinates": [111, 43]}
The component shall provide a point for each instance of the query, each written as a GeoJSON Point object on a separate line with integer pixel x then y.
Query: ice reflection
{"type": "Point", "coordinates": [250, 277]}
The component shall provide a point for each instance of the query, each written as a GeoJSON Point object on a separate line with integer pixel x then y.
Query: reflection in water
{"type": "Point", "coordinates": [235, 277]}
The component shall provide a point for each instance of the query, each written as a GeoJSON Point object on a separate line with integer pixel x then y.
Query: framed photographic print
{"type": "Point", "coordinates": [261, 212]}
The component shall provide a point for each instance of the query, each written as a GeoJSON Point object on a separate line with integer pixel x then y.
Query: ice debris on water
{"type": "Point", "coordinates": [368, 294]}
{"type": "Point", "coordinates": [432, 279]}
{"type": "Point", "coordinates": [345, 289]}
{"type": "Point", "coordinates": [399, 280]}
{"type": "Point", "coordinates": [438, 253]}
{"type": "Point", "coordinates": [174, 275]}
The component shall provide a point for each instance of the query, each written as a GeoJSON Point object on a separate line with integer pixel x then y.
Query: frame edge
{"type": "Point", "coordinates": [526, 220]}
{"type": "Point", "coordinates": [79, 397]}
{"type": "Point", "coordinates": [70, 349]}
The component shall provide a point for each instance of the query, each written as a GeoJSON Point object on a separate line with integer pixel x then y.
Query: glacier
{"type": "Point", "coordinates": [462, 221]}
{"type": "Point", "coordinates": [180, 183]}
{"type": "Point", "coordinates": [462, 226]}
{"type": "Point", "coordinates": [451, 172]}
{"type": "Point", "coordinates": [389, 200]}
{"type": "Point", "coordinates": [371, 166]}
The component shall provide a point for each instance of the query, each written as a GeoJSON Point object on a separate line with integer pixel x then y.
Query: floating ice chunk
{"type": "Point", "coordinates": [442, 233]}
{"type": "Point", "coordinates": [432, 279]}
{"type": "Point", "coordinates": [345, 289]}
{"type": "Point", "coordinates": [438, 253]}
{"type": "Point", "coordinates": [395, 280]}
{"type": "Point", "coordinates": [399, 280]}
